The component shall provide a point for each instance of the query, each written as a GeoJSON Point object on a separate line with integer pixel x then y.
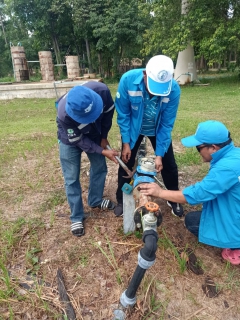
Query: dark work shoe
{"type": "Point", "coordinates": [177, 209]}
{"type": "Point", "coordinates": [106, 204]}
{"type": "Point", "coordinates": [77, 229]}
{"type": "Point", "coordinates": [118, 210]}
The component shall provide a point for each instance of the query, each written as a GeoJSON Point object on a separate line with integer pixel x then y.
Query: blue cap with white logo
{"type": "Point", "coordinates": [208, 132]}
{"type": "Point", "coordinates": [83, 104]}
{"type": "Point", "coordinates": [159, 70]}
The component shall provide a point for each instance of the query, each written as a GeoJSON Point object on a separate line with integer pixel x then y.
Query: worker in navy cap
{"type": "Point", "coordinates": [218, 223]}
{"type": "Point", "coordinates": [84, 119]}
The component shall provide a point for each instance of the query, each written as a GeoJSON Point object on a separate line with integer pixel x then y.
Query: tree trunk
{"type": "Point", "coordinates": [88, 56]}
{"type": "Point", "coordinates": [56, 48]}
{"type": "Point", "coordinates": [4, 35]}
{"type": "Point", "coordinates": [100, 63]}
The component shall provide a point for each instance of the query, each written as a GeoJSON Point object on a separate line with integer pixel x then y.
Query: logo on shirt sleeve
{"type": "Point", "coordinates": [70, 133]}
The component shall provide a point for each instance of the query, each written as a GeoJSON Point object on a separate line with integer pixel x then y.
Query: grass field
{"type": "Point", "coordinates": [31, 196]}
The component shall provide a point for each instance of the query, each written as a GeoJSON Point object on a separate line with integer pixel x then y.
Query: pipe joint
{"type": "Point", "coordinates": [127, 302]}
{"type": "Point", "coordinates": [144, 264]}
{"type": "Point", "coordinates": [147, 233]}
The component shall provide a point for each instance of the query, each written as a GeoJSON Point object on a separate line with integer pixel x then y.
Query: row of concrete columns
{"type": "Point", "coordinates": [21, 71]}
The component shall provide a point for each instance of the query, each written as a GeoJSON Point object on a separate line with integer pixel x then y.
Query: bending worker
{"type": "Point", "coordinates": [147, 103]}
{"type": "Point", "coordinates": [84, 120]}
{"type": "Point", "coordinates": [218, 224]}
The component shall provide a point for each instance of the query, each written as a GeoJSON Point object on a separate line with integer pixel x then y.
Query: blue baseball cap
{"type": "Point", "coordinates": [83, 104]}
{"type": "Point", "coordinates": [159, 71]}
{"type": "Point", "coordinates": [208, 132]}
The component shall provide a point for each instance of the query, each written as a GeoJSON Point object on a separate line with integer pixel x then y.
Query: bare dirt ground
{"type": "Point", "coordinates": [94, 278]}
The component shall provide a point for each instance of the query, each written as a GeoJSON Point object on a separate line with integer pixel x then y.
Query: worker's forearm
{"type": "Point", "coordinates": [173, 196]}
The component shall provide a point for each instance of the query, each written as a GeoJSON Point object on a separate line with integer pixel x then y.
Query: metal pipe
{"type": "Point", "coordinates": [122, 164]}
{"type": "Point", "coordinates": [186, 74]}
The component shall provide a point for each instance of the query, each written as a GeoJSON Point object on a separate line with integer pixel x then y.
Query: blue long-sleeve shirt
{"type": "Point", "coordinates": [129, 104]}
{"type": "Point", "coordinates": [219, 192]}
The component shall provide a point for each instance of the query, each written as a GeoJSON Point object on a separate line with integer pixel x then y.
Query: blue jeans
{"type": "Point", "coordinates": [70, 158]}
{"type": "Point", "coordinates": [192, 221]}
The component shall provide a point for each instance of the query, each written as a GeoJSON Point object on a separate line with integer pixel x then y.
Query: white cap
{"type": "Point", "coordinates": [159, 72]}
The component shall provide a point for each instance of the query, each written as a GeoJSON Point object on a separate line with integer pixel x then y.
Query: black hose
{"type": "Point", "coordinates": [135, 282]}
{"type": "Point", "coordinates": [150, 238]}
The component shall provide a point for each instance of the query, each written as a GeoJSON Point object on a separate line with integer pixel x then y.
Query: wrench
{"type": "Point", "coordinates": [122, 164]}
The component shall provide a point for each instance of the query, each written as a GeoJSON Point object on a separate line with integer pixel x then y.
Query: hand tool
{"type": "Point", "coordinates": [122, 164]}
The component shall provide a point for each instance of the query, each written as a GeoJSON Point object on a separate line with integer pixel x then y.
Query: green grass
{"type": "Point", "coordinates": [110, 256]}
{"type": "Point", "coordinates": [218, 101]}
{"type": "Point", "coordinates": [28, 125]}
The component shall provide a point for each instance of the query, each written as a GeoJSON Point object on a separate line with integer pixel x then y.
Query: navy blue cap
{"type": "Point", "coordinates": [83, 104]}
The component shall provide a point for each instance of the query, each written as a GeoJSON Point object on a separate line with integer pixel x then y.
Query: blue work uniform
{"type": "Point", "coordinates": [219, 192]}
{"type": "Point", "coordinates": [130, 103]}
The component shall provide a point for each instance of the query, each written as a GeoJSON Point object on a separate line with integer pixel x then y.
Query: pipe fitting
{"type": "Point", "coordinates": [144, 264]}
{"type": "Point", "coordinates": [148, 252]}
{"type": "Point", "coordinates": [119, 314]}
{"type": "Point", "coordinates": [127, 302]}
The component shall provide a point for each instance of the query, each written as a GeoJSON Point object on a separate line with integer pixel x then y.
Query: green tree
{"type": "Point", "coordinates": [12, 32]}
{"type": "Point", "coordinates": [46, 24]}
{"type": "Point", "coordinates": [211, 26]}
{"type": "Point", "coordinates": [118, 30]}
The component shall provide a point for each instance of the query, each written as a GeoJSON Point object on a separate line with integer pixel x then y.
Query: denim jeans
{"type": "Point", "coordinates": [192, 221]}
{"type": "Point", "coordinates": [70, 159]}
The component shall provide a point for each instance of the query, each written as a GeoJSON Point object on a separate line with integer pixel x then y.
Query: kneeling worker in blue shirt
{"type": "Point", "coordinates": [218, 224]}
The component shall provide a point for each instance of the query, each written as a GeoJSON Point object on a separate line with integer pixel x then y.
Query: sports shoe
{"type": "Point", "coordinates": [118, 211]}
{"type": "Point", "coordinates": [77, 229]}
{"type": "Point", "coordinates": [106, 204]}
{"type": "Point", "coordinates": [177, 208]}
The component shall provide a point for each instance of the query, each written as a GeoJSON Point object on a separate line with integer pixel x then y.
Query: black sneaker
{"type": "Point", "coordinates": [118, 211]}
{"type": "Point", "coordinates": [177, 208]}
{"type": "Point", "coordinates": [106, 204]}
{"type": "Point", "coordinates": [77, 229]}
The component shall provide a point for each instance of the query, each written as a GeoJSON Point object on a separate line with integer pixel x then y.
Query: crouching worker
{"type": "Point", "coordinates": [84, 119]}
{"type": "Point", "coordinates": [218, 224]}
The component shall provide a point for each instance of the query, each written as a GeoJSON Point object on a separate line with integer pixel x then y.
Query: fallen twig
{"type": "Point", "coordinates": [64, 297]}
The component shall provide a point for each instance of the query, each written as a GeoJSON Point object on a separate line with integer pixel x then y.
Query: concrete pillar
{"type": "Point", "coordinates": [73, 70]}
{"type": "Point", "coordinates": [19, 61]}
{"type": "Point", "coordinates": [46, 65]}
